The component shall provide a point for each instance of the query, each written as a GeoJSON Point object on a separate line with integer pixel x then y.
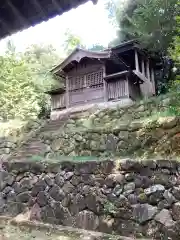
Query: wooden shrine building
{"type": "Point", "coordinates": [122, 72]}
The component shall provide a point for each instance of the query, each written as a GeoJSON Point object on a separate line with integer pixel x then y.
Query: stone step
{"type": "Point", "coordinates": [29, 151]}
{"type": "Point", "coordinates": [55, 123]}
{"type": "Point", "coordinates": [19, 158]}
{"type": "Point", "coordinates": [33, 143]}
{"type": "Point", "coordinates": [54, 128]}
{"type": "Point", "coordinates": [34, 146]}
{"type": "Point", "coordinates": [50, 129]}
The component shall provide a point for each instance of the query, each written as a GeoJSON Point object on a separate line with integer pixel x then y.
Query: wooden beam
{"type": "Point", "coordinates": [22, 20]}
{"type": "Point", "coordinates": [67, 91]}
{"type": "Point", "coordinates": [127, 87]}
{"type": "Point", "coordinates": [39, 9]}
{"type": "Point", "coordinates": [153, 80]}
{"type": "Point", "coordinates": [105, 84]}
{"type": "Point", "coordinates": [136, 61]}
{"type": "Point", "coordinates": [148, 70]}
{"type": "Point", "coordinates": [5, 26]}
{"type": "Point", "coordinates": [143, 67]}
{"type": "Point", "coordinates": [118, 74]}
{"type": "Point", "coordinates": [57, 6]}
{"type": "Point", "coordinates": [140, 76]}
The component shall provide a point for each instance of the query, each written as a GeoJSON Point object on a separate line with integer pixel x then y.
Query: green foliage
{"type": "Point", "coordinates": [175, 48]}
{"type": "Point", "coordinates": [24, 78]}
{"type": "Point", "coordinates": [175, 54]}
{"type": "Point", "coordinates": [152, 22]}
{"type": "Point", "coordinates": [109, 208]}
{"type": "Point", "coordinates": [37, 158]}
{"type": "Point", "coordinates": [72, 41]}
{"type": "Point", "coordinates": [96, 47]}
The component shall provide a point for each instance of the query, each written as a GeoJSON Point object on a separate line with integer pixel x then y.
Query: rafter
{"type": "Point", "coordinates": [57, 6]}
{"type": "Point", "coordinates": [39, 8]}
{"type": "Point", "coordinates": [22, 20]}
{"type": "Point", "coordinates": [5, 26]}
{"type": "Point", "coordinates": [19, 14]}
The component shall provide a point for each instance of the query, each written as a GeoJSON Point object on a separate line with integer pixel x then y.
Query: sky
{"type": "Point", "coordinates": [90, 22]}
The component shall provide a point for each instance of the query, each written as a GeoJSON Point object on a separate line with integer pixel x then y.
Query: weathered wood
{"type": "Point", "coordinates": [67, 91]}
{"type": "Point", "coordinates": [105, 84]}
{"type": "Point", "coordinates": [86, 95]}
{"type": "Point", "coordinates": [18, 15]}
{"type": "Point", "coordinates": [117, 89]}
{"type": "Point", "coordinates": [143, 67]}
{"type": "Point", "coordinates": [140, 75]}
{"type": "Point", "coordinates": [87, 69]}
{"type": "Point", "coordinates": [92, 79]}
{"type": "Point", "coordinates": [153, 80]}
{"type": "Point", "coordinates": [136, 61]}
{"type": "Point", "coordinates": [148, 70]}
{"type": "Point", "coordinates": [22, 14]}
{"type": "Point", "coordinates": [127, 87]}
{"type": "Point", "coordinates": [78, 54]}
{"type": "Point", "coordinates": [114, 75]}
{"type": "Point", "coordinates": [133, 90]}
{"type": "Point", "coordinates": [58, 101]}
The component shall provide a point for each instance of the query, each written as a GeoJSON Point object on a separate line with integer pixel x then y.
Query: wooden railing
{"type": "Point", "coordinates": [117, 89]}
{"type": "Point", "coordinates": [58, 101]}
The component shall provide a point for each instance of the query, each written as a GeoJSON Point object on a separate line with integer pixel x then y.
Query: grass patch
{"type": "Point", "coordinates": [38, 158]}
{"type": "Point", "coordinates": [13, 128]}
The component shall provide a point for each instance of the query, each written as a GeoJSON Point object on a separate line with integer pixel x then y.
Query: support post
{"type": "Point", "coordinates": [127, 93]}
{"type": "Point", "coordinates": [143, 67]}
{"type": "Point", "coordinates": [136, 61]}
{"type": "Point", "coordinates": [153, 80]}
{"type": "Point", "coordinates": [67, 91]}
{"type": "Point", "coordinates": [105, 85]}
{"type": "Point", "coordinates": [148, 70]}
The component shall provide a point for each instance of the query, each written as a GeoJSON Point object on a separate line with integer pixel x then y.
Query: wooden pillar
{"type": "Point", "coordinates": [67, 91]}
{"type": "Point", "coordinates": [136, 61]}
{"type": "Point", "coordinates": [143, 67]}
{"type": "Point", "coordinates": [148, 70]}
{"type": "Point", "coordinates": [153, 80]}
{"type": "Point", "coordinates": [127, 93]}
{"type": "Point", "coordinates": [105, 85]}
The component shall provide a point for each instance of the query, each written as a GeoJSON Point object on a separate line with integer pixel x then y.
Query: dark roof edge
{"type": "Point", "coordinates": [130, 42]}
{"type": "Point", "coordinates": [56, 91]}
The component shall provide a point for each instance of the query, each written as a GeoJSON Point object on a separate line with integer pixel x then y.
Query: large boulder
{"type": "Point", "coordinates": [154, 189]}
{"type": "Point", "coordinates": [144, 212]}
{"type": "Point", "coordinates": [56, 193]}
{"type": "Point", "coordinates": [176, 211]}
{"type": "Point", "coordinates": [78, 204]}
{"type": "Point", "coordinates": [5, 179]}
{"type": "Point", "coordinates": [164, 217]}
{"type": "Point", "coordinates": [87, 220]}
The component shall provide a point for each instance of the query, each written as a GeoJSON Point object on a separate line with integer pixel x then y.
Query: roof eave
{"type": "Point", "coordinates": [85, 53]}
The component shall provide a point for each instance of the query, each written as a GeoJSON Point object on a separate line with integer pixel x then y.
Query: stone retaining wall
{"type": "Point", "coordinates": [143, 129]}
{"type": "Point", "coordinates": [128, 197]}
{"type": "Point", "coordinates": [117, 138]}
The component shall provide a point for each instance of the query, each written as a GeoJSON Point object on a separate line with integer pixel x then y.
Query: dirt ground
{"type": "Point", "coordinates": [14, 233]}
{"type": "Point", "coordinates": [11, 232]}
{"type": "Point", "coordinates": [11, 229]}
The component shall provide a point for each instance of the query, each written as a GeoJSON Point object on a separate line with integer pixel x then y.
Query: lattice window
{"type": "Point", "coordinates": [76, 82]}
{"type": "Point", "coordinates": [95, 78]}
{"type": "Point", "coordinates": [92, 80]}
